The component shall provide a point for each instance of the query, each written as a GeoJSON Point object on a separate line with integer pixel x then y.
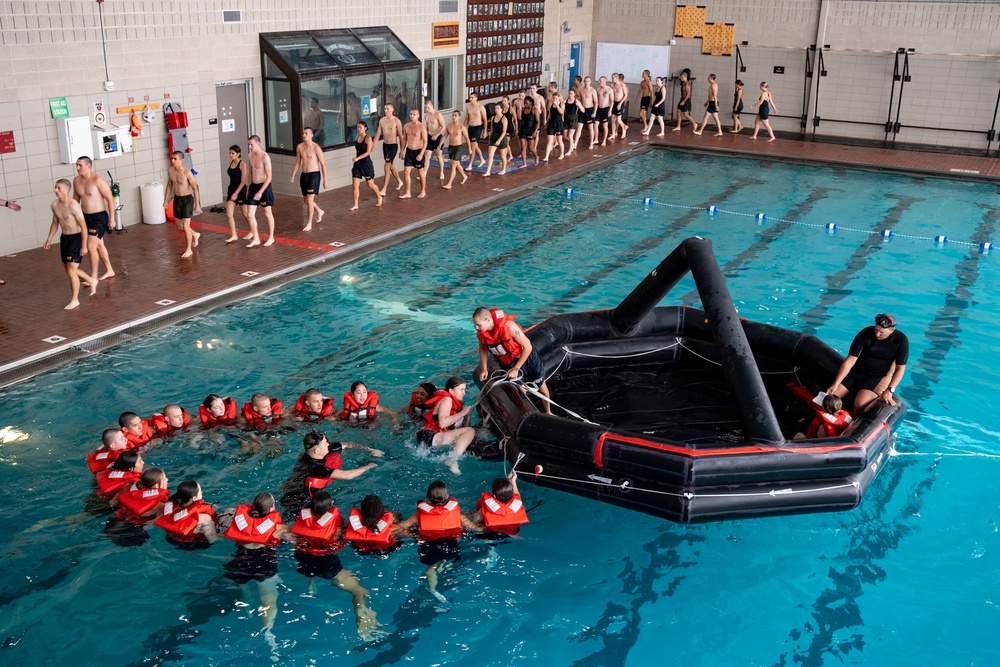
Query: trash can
{"type": "Point", "coordinates": [152, 204]}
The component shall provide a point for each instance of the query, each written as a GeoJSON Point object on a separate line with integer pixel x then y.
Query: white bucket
{"type": "Point", "coordinates": [152, 204]}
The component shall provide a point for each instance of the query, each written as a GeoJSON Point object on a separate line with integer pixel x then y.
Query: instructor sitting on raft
{"type": "Point", "coordinates": [500, 336]}
{"type": "Point", "coordinates": [875, 352]}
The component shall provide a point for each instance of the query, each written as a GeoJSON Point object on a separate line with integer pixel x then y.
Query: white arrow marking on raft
{"type": "Point", "coordinates": [779, 492]}
{"type": "Point", "coordinates": [598, 478]}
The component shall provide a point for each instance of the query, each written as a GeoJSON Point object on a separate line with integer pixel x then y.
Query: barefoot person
{"type": "Point", "coordinates": [389, 131]}
{"type": "Point", "coordinates": [659, 108]}
{"type": "Point", "coordinates": [711, 108]}
{"type": "Point", "coordinates": [588, 100]}
{"type": "Point", "coordinates": [67, 216]}
{"type": "Point", "coordinates": [766, 104]}
{"type": "Point", "coordinates": [94, 196]}
{"type": "Point", "coordinates": [501, 337]}
{"type": "Point", "coordinates": [874, 365]}
{"type": "Point", "coordinates": [415, 136]}
{"type": "Point", "coordinates": [620, 89]}
{"type": "Point", "coordinates": [435, 135]}
{"type": "Point", "coordinates": [362, 167]}
{"type": "Point", "coordinates": [457, 136]}
{"type": "Point", "coordinates": [644, 98]}
{"type": "Point", "coordinates": [737, 107]}
{"type": "Point", "coordinates": [260, 191]}
{"type": "Point", "coordinates": [309, 156]}
{"type": "Point", "coordinates": [181, 182]}
{"type": "Point", "coordinates": [475, 120]}
{"type": "Point", "coordinates": [527, 129]}
{"type": "Point", "coordinates": [604, 95]}
{"type": "Point", "coordinates": [571, 119]}
{"type": "Point", "coordinates": [499, 140]}
{"type": "Point", "coordinates": [236, 194]}
{"type": "Point", "coordinates": [684, 106]}
{"type": "Point", "coordinates": [554, 127]}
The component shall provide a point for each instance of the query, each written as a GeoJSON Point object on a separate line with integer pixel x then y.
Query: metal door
{"type": "Point", "coordinates": [575, 53]}
{"type": "Point", "coordinates": [232, 99]}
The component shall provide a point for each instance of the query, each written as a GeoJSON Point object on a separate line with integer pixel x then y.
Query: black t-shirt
{"type": "Point", "coordinates": [875, 356]}
{"type": "Point", "coordinates": [294, 488]}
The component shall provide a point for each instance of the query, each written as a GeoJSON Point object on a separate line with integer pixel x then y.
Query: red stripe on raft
{"type": "Point", "coordinates": [599, 451]}
{"type": "Point", "coordinates": [308, 245]}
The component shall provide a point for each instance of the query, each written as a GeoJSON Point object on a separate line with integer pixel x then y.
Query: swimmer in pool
{"type": "Point", "coordinates": [417, 408]}
{"type": "Point", "coordinates": [446, 423]}
{"type": "Point", "coordinates": [313, 406]}
{"type": "Point", "coordinates": [362, 406]}
{"type": "Point", "coordinates": [137, 431]}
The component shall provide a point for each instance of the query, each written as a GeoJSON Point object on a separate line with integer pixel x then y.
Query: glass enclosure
{"type": "Point", "coordinates": [439, 77]}
{"type": "Point", "coordinates": [329, 80]}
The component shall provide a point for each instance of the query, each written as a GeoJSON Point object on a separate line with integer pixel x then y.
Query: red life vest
{"type": "Point", "coordinates": [162, 428]}
{"type": "Point", "coordinates": [416, 410]}
{"type": "Point", "coordinates": [136, 503]}
{"type": "Point", "coordinates": [246, 528]}
{"type": "Point", "coordinates": [438, 522]}
{"type": "Point", "coordinates": [332, 462]}
{"type": "Point", "coordinates": [181, 521]}
{"type": "Point", "coordinates": [208, 420]}
{"type": "Point", "coordinates": [498, 341]}
{"type": "Point", "coordinates": [137, 441]}
{"type": "Point", "coordinates": [110, 482]}
{"type": "Point", "coordinates": [255, 420]}
{"type": "Point", "coordinates": [360, 535]}
{"type": "Point", "coordinates": [431, 419]}
{"type": "Point", "coordinates": [302, 411]}
{"type": "Point", "coordinates": [835, 424]}
{"type": "Point", "coordinates": [359, 412]}
{"type": "Point", "coordinates": [318, 533]}
{"type": "Point", "coordinates": [100, 459]}
{"type": "Point", "coordinates": [500, 515]}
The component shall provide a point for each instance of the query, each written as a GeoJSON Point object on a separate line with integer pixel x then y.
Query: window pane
{"type": "Point", "coordinates": [361, 90]}
{"type": "Point", "coordinates": [345, 49]}
{"type": "Point", "coordinates": [322, 110]}
{"type": "Point", "coordinates": [278, 99]}
{"type": "Point", "coordinates": [271, 70]}
{"type": "Point", "coordinates": [429, 80]}
{"type": "Point", "coordinates": [446, 83]}
{"type": "Point", "coordinates": [403, 91]}
{"type": "Point", "coordinates": [302, 53]}
{"type": "Point", "coordinates": [384, 45]}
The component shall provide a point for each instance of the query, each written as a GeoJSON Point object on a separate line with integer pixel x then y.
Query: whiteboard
{"type": "Point", "coordinates": [631, 59]}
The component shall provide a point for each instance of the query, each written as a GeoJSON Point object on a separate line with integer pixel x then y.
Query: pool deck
{"type": "Point", "coordinates": [154, 286]}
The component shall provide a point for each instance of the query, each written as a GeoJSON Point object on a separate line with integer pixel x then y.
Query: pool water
{"type": "Point", "coordinates": [910, 577]}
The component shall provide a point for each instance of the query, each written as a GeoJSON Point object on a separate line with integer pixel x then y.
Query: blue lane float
{"type": "Point", "coordinates": [712, 210]}
{"type": "Point", "coordinates": [648, 201]}
{"type": "Point", "coordinates": [570, 192]}
{"type": "Point", "coordinates": [941, 239]}
{"type": "Point", "coordinates": [762, 216]}
{"type": "Point", "coordinates": [887, 233]}
{"type": "Point", "coordinates": [985, 247]}
{"type": "Point", "coordinates": [685, 413]}
{"type": "Point", "coordinates": [831, 227]}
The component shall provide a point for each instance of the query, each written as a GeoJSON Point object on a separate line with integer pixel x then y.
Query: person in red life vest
{"type": "Point", "coordinates": [189, 521]}
{"type": "Point", "coordinates": [257, 529]}
{"type": "Point", "coordinates": [361, 406]}
{"type": "Point", "coordinates": [440, 523]}
{"type": "Point", "coordinates": [261, 411]}
{"type": "Point", "coordinates": [313, 406]}
{"type": "Point", "coordinates": [173, 418]}
{"type": "Point", "coordinates": [317, 466]}
{"type": "Point", "coordinates": [143, 502]}
{"type": "Point", "coordinates": [444, 423]}
{"type": "Point", "coordinates": [318, 532]}
{"type": "Point", "coordinates": [500, 336]}
{"type": "Point", "coordinates": [137, 431]}
{"type": "Point", "coordinates": [372, 530]}
{"type": "Point", "coordinates": [418, 399]}
{"type": "Point", "coordinates": [501, 510]}
{"type": "Point", "coordinates": [125, 471]}
{"type": "Point", "coordinates": [217, 411]}
{"type": "Point", "coordinates": [114, 443]}
{"type": "Point", "coordinates": [830, 422]}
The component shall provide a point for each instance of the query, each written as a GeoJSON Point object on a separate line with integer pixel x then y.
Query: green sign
{"type": "Point", "coordinates": [58, 107]}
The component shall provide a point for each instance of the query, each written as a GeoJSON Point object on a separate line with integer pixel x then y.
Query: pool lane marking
{"type": "Point", "coordinates": [308, 245]}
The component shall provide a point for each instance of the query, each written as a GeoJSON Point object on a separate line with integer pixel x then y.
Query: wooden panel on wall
{"type": "Point", "coordinates": [689, 21]}
{"type": "Point", "coordinates": [503, 46]}
{"type": "Point", "coordinates": [718, 39]}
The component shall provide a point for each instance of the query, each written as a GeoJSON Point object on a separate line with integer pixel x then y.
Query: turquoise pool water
{"type": "Point", "coordinates": [910, 577]}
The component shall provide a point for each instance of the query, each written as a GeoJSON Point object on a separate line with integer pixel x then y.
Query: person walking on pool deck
{"type": "Point", "coordinates": [390, 131]}
{"type": "Point", "coordinates": [684, 106]}
{"type": "Point", "coordinates": [499, 140]}
{"type": "Point", "coordinates": [181, 181]}
{"type": "Point", "coordinates": [767, 105]}
{"type": "Point", "coordinates": [260, 192]}
{"type": "Point", "coordinates": [309, 156]}
{"type": "Point", "coordinates": [644, 97]}
{"type": "Point", "coordinates": [737, 107]}
{"type": "Point", "coordinates": [457, 136]}
{"type": "Point", "coordinates": [68, 217]}
{"type": "Point", "coordinates": [711, 108]}
{"type": "Point", "coordinates": [94, 196]}
{"type": "Point", "coordinates": [500, 336]}
{"type": "Point", "coordinates": [875, 352]}
{"type": "Point", "coordinates": [475, 120]}
{"type": "Point", "coordinates": [236, 194]}
{"type": "Point", "coordinates": [362, 167]}
{"type": "Point", "coordinates": [415, 135]}
{"type": "Point", "coordinates": [435, 135]}
{"type": "Point", "coordinates": [659, 108]}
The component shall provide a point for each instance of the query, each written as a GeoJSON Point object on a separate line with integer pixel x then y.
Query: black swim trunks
{"type": "Point", "coordinates": [434, 144]}
{"type": "Point", "coordinates": [712, 107]}
{"type": "Point", "coordinates": [616, 108]}
{"type": "Point", "coordinates": [309, 182]}
{"type": "Point", "coordinates": [425, 437]}
{"type": "Point", "coordinates": [603, 114]}
{"type": "Point", "coordinates": [589, 113]}
{"type": "Point", "coordinates": [252, 565]}
{"type": "Point", "coordinates": [435, 551]}
{"type": "Point", "coordinates": [70, 246]}
{"type": "Point", "coordinates": [241, 196]}
{"type": "Point", "coordinates": [475, 132]}
{"type": "Point", "coordinates": [363, 168]}
{"type": "Point", "coordinates": [410, 159]}
{"type": "Point", "coordinates": [266, 199]}
{"type": "Point", "coordinates": [455, 153]}
{"type": "Point", "coordinates": [326, 566]}
{"type": "Point", "coordinates": [644, 102]}
{"type": "Point", "coordinates": [685, 106]}
{"type": "Point", "coordinates": [389, 151]}
{"type": "Point", "coordinates": [183, 207]}
{"type": "Point", "coordinates": [533, 369]}
{"type": "Point", "coordinates": [97, 223]}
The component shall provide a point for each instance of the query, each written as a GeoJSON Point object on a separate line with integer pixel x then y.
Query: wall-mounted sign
{"type": "Point", "coordinates": [444, 35]}
{"type": "Point", "coordinates": [99, 116]}
{"type": "Point", "coordinates": [7, 142]}
{"type": "Point", "coordinates": [59, 107]}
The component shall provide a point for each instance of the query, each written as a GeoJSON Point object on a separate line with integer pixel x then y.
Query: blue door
{"type": "Point", "coordinates": [575, 52]}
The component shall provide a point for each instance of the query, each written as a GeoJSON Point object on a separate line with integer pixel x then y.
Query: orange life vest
{"type": "Point", "coordinates": [416, 410]}
{"type": "Point", "coordinates": [310, 416]}
{"type": "Point", "coordinates": [498, 341]}
{"type": "Point", "coordinates": [332, 462]}
{"type": "Point", "coordinates": [181, 521]}
{"type": "Point", "coordinates": [835, 424]}
{"type": "Point", "coordinates": [318, 533]}
{"type": "Point", "coordinates": [502, 515]}
{"type": "Point", "coordinates": [100, 459]}
{"type": "Point", "coordinates": [137, 441]}
{"type": "Point", "coordinates": [359, 412]}
{"type": "Point", "coordinates": [208, 420]}
{"type": "Point", "coordinates": [110, 482]}
{"type": "Point", "coordinates": [136, 503]}
{"type": "Point", "coordinates": [255, 420]}
{"type": "Point", "coordinates": [438, 522]}
{"type": "Point", "coordinates": [162, 428]}
{"type": "Point", "coordinates": [246, 528]}
{"type": "Point", "coordinates": [431, 419]}
{"type": "Point", "coordinates": [359, 534]}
